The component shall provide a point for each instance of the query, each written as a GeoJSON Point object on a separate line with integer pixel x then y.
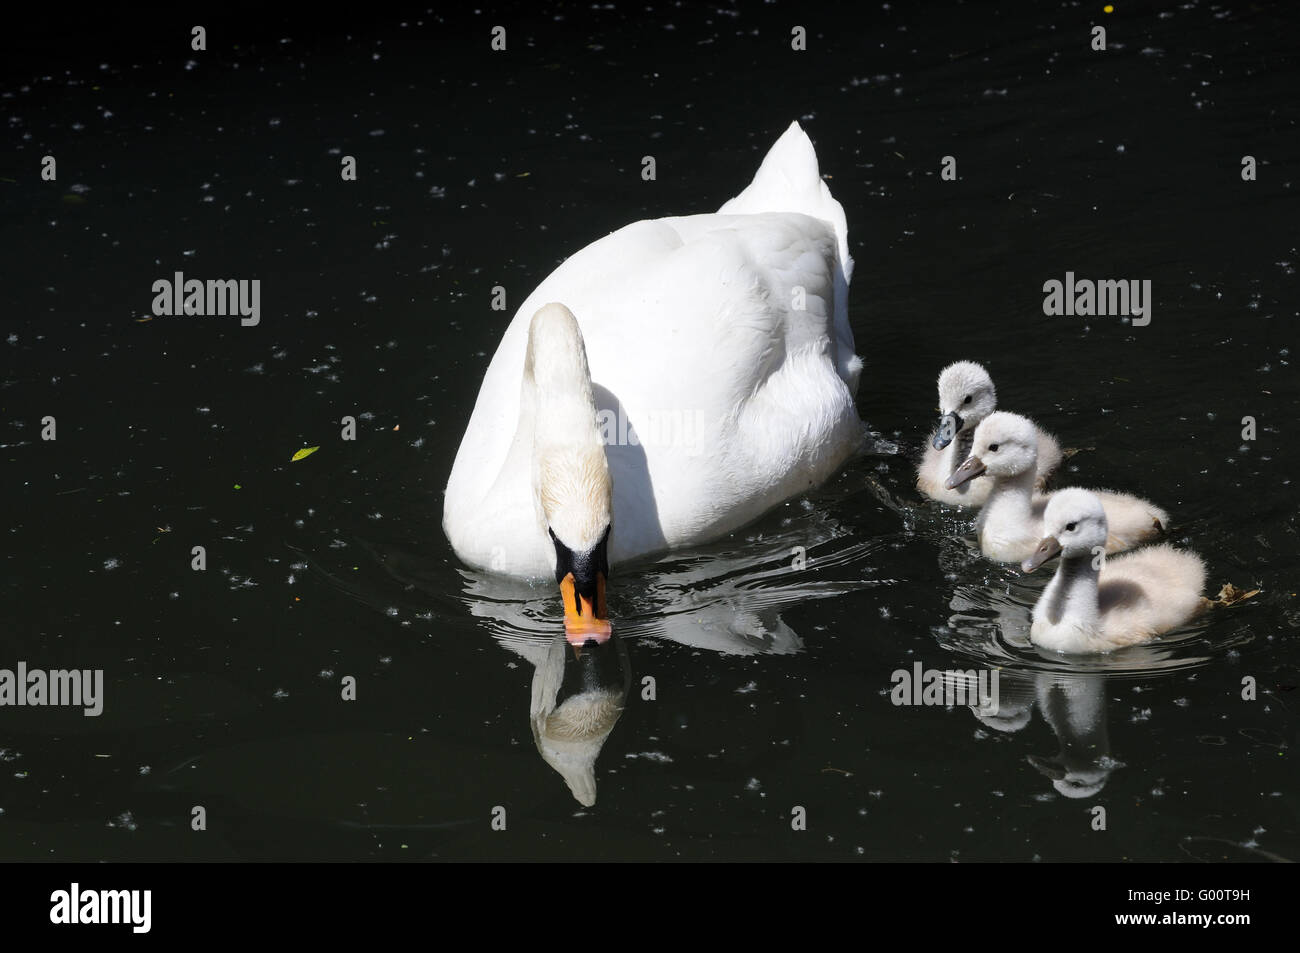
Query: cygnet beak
{"type": "Point", "coordinates": [1048, 547]}
{"type": "Point", "coordinates": [949, 427]}
{"type": "Point", "coordinates": [969, 470]}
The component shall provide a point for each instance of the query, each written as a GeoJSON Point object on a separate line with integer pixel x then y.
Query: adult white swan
{"type": "Point", "coordinates": [663, 386]}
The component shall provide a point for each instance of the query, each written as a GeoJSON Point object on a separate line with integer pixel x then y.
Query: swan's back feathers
{"type": "Point", "coordinates": [789, 180]}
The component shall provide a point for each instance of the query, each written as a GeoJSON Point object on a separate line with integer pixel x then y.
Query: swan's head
{"type": "Point", "coordinates": [966, 397]}
{"type": "Point", "coordinates": [1004, 445]}
{"type": "Point", "coordinates": [570, 472]}
{"type": "Point", "coordinates": [1074, 525]}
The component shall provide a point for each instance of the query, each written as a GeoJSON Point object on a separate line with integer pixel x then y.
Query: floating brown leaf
{"type": "Point", "coordinates": [1230, 595]}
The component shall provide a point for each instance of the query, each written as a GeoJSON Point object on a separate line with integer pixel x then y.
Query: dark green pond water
{"type": "Point", "coordinates": [770, 683]}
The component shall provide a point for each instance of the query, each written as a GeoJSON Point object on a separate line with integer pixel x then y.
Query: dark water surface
{"type": "Point", "coordinates": [771, 683]}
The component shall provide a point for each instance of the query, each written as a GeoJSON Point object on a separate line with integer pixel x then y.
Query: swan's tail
{"type": "Point", "coordinates": [789, 181]}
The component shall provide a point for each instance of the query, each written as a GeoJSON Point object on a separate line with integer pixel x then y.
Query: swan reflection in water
{"type": "Point", "coordinates": [727, 601]}
{"type": "Point", "coordinates": [579, 692]}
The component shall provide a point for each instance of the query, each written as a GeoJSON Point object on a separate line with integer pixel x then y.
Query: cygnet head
{"type": "Point", "coordinates": [570, 472]}
{"type": "Point", "coordinates": [966, 397]}
{"type": "Point", "coordinates": [1074, 525]}
{"type": "Point", "coordinates": [1005, 445]}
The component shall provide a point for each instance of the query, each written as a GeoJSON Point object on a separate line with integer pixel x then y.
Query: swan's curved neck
{"type": "Point", "coordinates": [569, 470]}
{"type": "Point", "coordinates": [555, 473]}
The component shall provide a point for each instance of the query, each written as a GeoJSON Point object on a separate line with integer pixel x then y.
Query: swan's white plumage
{"type": "Point", "coordinates": [1132, 599]}
{"type": "Point", "coordinates": [686, 320]}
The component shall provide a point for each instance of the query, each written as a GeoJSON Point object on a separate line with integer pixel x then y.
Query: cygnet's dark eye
{"type": "Point", "coordinates": [1069, 527]}
{"type": "Point", "coordinates": [967, 400]}
{"type": "Point", "coordinates": [993, 448]}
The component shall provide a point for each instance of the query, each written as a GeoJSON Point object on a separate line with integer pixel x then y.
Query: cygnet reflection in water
{"type": "Point", "coordinates": [1074, 706]}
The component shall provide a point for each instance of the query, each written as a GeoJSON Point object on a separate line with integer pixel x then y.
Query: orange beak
{"type": "Point", "coordinates": [583, 620]}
